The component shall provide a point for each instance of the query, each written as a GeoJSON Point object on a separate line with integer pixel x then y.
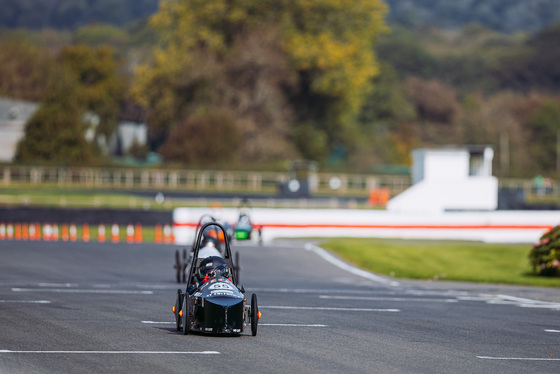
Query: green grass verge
{"type": "Point", "coordinates": [76, 198]}
{"type": "Point", "coordinates": [441, 260]}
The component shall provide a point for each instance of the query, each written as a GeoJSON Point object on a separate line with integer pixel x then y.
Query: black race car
{"type": "Point", "coordinates": [213, 302]}
{"type": "Point", "coordinates": [209, 235]}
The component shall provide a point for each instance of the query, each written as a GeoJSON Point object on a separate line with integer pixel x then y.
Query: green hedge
{"type": "Point", "coordinates": [545, 254]}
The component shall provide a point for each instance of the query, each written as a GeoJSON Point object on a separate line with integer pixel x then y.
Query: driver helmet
{"type": "Point", "coordinates": [213, 266]}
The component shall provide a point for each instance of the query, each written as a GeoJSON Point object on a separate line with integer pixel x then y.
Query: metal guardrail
{"type": "Point", "coordinates": [194, 180]}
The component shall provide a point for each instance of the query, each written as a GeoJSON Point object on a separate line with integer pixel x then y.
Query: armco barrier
{"type": "Point", "coordinates": [491, 226]}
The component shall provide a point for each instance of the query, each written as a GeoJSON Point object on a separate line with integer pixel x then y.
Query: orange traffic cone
{"type": "Point", "coordinates": [138, 237]}
{"type": "Point", "coordinates": [115, 235]}
{"type": "Point", "coordinates": [158, 235]}
{"type": "Point", "coordinates": [85, 232]}
{"type": "Point", "coordinates": [101, 235]}
{"type": "Point", "coordinates": [2, 231]}
{"type": "Point", "coordinates": [10, 231]}
{"type": "Point", "coordinates": [32, 233]}
{"type": "Point", "coordinates": [25, 231]}
{"type": "Point", "coordinates": [73, 232]}
{"type": "Point", "coordinates": [167, 234]}
{"type": "Point", "coordinates": [47, 232]}
{"type": "Point", "coordinates": [54, 235]}
{"type": "Point", "coordinates": [65, 236]}
{"type": "Point", "coordinates": [130, 233]}
{"type": "Point", "coordinates": [17, 231]}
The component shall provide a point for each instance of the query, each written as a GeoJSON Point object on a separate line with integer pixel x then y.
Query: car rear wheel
{"type": "Point", "coordinates": [178, 305]}
{"type": "Point", "coordinates": [178, 266]}
{"type": "Point", "coordinates": [236, 268]}
{"type": "Point", "coordinates": [184, 265]}
{"type": "Point", "coordinates": [186, 315]}
{"type": "Point", "coordinates": [254, 315]}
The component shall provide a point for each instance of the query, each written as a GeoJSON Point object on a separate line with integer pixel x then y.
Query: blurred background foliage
{"type": "Point", "coordinates": [241, 84]}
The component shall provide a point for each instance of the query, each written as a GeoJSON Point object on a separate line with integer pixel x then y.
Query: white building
{"type": "Point", "coordinates": [13, 117]}
{"type": "Point", "coordinates": [449, 179]}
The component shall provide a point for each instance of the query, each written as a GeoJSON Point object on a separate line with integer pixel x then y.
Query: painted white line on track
{"type": "Point", "coordinates": [551, 330]}
{"type": "Point", "coordinates": [25, 301]}
{"type": "Point", "coordinates": [118, 352]}
{"type": "Point", "coordinates": [388, 299]}
{"type": "Point", "coordinates": [522, 302]}
{"type": "Point", "coordinates": [519, 358]}
{"type": "Point", "coordinates": [260, 324]}
{"type": "Point", "coordinates": [291, 325]}
{"type": "Point", "coordinates": [349, 268]}
{"type": "Point", "coordinates": [328, 308]}
{"type": "Point", "coordinates": [316, 290]}
{"type": "Point", "coordinates": [541, 306]}
{"type": "Point", "coordinates": [74, 290]}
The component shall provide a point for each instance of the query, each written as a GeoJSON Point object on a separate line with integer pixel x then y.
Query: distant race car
{"type": "Point", "coordinates": [244, 226]}
{"type": "Point", "coordinates": [213, 302]}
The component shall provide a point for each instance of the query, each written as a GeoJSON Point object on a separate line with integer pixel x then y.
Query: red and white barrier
{"type": "Point", "coordinates": [491, 226]}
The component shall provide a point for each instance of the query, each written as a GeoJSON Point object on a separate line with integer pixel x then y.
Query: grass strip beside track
{"type": "Point", "coordinates": [441, 260]}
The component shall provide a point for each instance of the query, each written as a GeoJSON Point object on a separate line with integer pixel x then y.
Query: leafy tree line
{"type": "Point", "coordinates": [500, 15]}
{"type": "Point", "coordinates": [477, 86]}
{"type": "Point", "coordinates": [246, 83]}
{"type": "Point", "coordinates": [70, 14]}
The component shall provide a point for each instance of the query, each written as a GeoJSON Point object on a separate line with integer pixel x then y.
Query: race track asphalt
{"type": "Point", "coordinates": [106, 308]}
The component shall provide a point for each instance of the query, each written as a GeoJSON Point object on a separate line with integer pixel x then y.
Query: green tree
{"type": "Point", "coordinates": [24, 70]}
{"type": "Point", "coordinates": [544, 125]}
{"type": "Point", "coordinates": [310, 59]}
{"type": "Point", "coordinates": [195, 141]}
{"type": "Point", "coordinates": [101, 34]}
{"type": "Point", "coordinates": [55, 133]}
{"type": "Point", "coordinates": [101, 88]}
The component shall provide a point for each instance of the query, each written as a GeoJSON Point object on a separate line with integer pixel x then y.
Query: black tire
{"type": "Point", "coordinates": [184, 265]}
{"type": "Point", "coordinates": [236, 268]}
{"type": "Point", "coordinates": [254, 315]}
{"type": "Point", "coordinates": [186, 315]}
{"type": "Point", "coordinates": [178, 305]}
{"type": "Point", "coordinates": [178, 266]}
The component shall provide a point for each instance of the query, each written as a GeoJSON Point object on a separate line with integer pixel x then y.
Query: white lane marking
{"type": "Point", "coordinates": [551, 330]}
{"type": "Point", "coordinates": [349, 268]}
{"type": "Point", "coordinates": [542, 306]}
{"type": "Point", "coordinates": [388, 299]}
{"type": "Point", "coordinates": [293, 324]}
{"type": "Point", "coordinates": [451, 293]}
{"type": "Point", "coordinates": [118, 352]}
{"type": "Point", "coordinates": [519, 358]}
{"type": "Point", "coordinates": [328, 308]}
{"type": "Point", "coordinates": [260, 324]}
{"type": "Point", "coordinates": [25, 301]}
{"type": "Point", "coordinates": [43, 284]}
{"type": "Point", "coordinates": [74, 290]}
{"type": "Point", "coordinates": [316, 290]}
{"type": "Point", "coordinates": [523, 302]}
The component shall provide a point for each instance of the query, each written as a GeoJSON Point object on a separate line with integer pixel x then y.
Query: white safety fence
{"type": "Point", "coordinates": [491, 226]}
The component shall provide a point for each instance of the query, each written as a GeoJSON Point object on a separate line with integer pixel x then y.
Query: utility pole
{"type": "Point", "coordinates": [558, 152]}
{"type": "Point", "coordinates": [504, 154]}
